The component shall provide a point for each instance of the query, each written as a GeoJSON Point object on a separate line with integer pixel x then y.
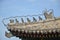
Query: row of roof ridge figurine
{"type": "Point", "coordinates": [48, 15]}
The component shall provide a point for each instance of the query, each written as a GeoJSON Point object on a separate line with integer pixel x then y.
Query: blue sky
{"type": "Point", "coordinates": [24, 7]}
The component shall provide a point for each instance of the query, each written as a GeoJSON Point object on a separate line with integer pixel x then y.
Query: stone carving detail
{"type": "Point", "coordinates": [48, 15]}
{"type": "Point", "coordinates": [34, 19]}
{"type": "Point", "coordinates": [40, 18]}
{"type": "Point", "coordinates": [8, 35]}
{"type": "Point", "coordinates": [22, 20]}
{"type": "Point", "coordinates": [28, 20]}
{"type": "Point", "coordinates": [11, 21]}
